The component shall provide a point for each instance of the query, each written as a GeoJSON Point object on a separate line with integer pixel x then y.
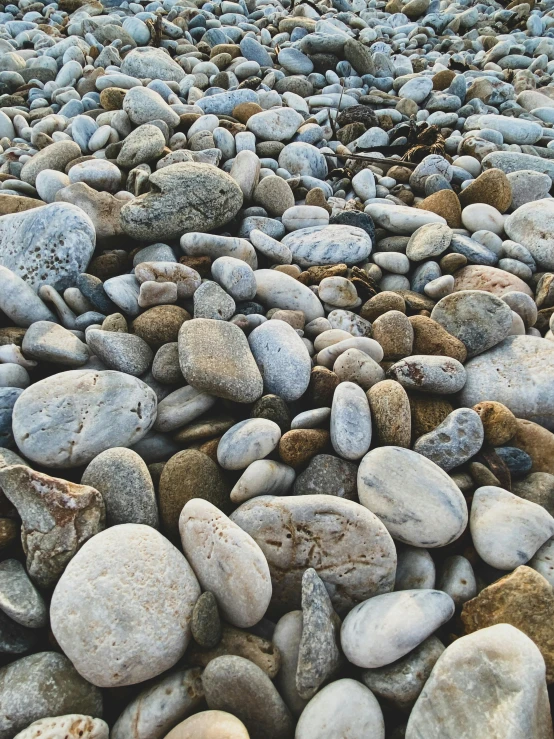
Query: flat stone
{"type": "Point", "coordinates": [400, 219]}
{"type": "Point", "coordinates": [151, 63]}
{"type": "Point", "coordinates": [262, 652]}
{"type": "Point", "coordinates": [62, 434]}
{"type": "Point", "coordinates": [121, 351]}
{"type": "Point", "coordinates": [328, 245]}
{"type": "Point", "coordinates": [431, 338]}
{"type": "Point", "coordinates": [58, 517]}
{"type": "Point", "coordinates": [350, 421]}
{"type": "Point", "coordinates": [243, 588]}
{"type": "Point", "coordinates": [279, 290]}
{"type": "Point", "coordinates": [349, 578]}
{"type": "Point", "coordinates": [215, 357]}
{"type": "Point", "coordinates": [55, 156]}
{"type": "Point", "coordinates": [490, 279]}
{"type": "Point", "coordinates": [429, 374]}
{"type": "Point", "coordinates": [490, 683]}
{"type": "Point", "coordinates": [19, 599]}
{"type": "Point", "coordinates": [516, 599]}
{"type": "Point", "coordinates": [531, 225]}
{"type": "Point", "coordinates": [137, 636]}
{"type": "Point", "coordinates": [385, 628]}
{"type": "Point", "coordinates": [506, 529]}
{"type": "Point", "coordinates": [425, 509]}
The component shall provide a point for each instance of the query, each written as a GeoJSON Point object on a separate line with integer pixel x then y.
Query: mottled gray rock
{"type": "Point", "coordinates": [67, 419]}
{"type": "Point", "coordinates": [41, 685]}
{"type": "Point", "coordinates": [55, 156]}
{"type": "Point", "coordinates": [507, 530]}
{"type": "Point", "coordinates": [300, 158]}
{"type": "Point", "coordinates": [50, 342]}
{"type": "Point", "coordinates": [350, 421]}
{"type": "Point", "coordinates": [518, 373]}
{"type": "Point", "coordinates": [416, 500]}
{"type": "Point", "coordinates": [385, 628]}
{"type": "Point", "coordinates": [263, 477]}
{"type": "Point", "coordinates": [428, 241]}
{"type": "Point", "coordinates": [8, 399]}
{"type": "Point", "coordinates": [531, 225]}
{"type": "Point", "coordinates": [143, 105]}
{"type": "Point", "coordinates": [19, 599]}
{"type": "Point", "coordinates": [236, 277]}
{"type": "Point", "coordinates": [538, 487]}
{"type": "Point", "coordinates": [49, 245]}
{"type": "Point", "coordinates": [282, 358]}
{"type": "Point", "coordinates": [490, 683]}
{"type": "Point", "coordinates": [19, 301]}
{"type": "Point", "coordinates": [430, 374]}
{"type": "Point", "coordinates": [151, 63]}
{"type": "Point", "coordinates": [142, 145]}
{"type": "Point", "coordinates": [242, 587]}
{"type": "Point", "coordinates": [479, 319]}
{"type": "Point", "coordinates": [315, 522]}
{"type": "Point", "coordinates": [120, 351]}
{"type": "Point", "coordinates": [345, 708]}
{"type": "Point", "coordinates": [279, 290]}
{"type": "Point", "coordinates": [319, 655]}
{"type": "Point", "coordinates": [115, 633]}
{"type": "Point", "coordinates": [401, 682]}
{"type": "Point", "coordinates": [328, 245]}
{"type": "Point", "coordinates": [215, 357]}
{"type": "Point", "coordinates": [124, 481]}
{"type": "Point", "coordinates": [454, 441]}
{"type": "Point", "coordinates": [211, 301]}
{"type": "Point", "coordinates": [57, 516]}
{"type": "Point", "coordinates": [246, 442]}
{"type": "Point", "coordinates": [286, 637]}
{"type": "Point", "coordinates": [328, 475]}
{"type": "Point", "coordinates": [184, 197]}
{"type": "Point", "coordinates": [528, 186]}
{"type": "Point", "coordinates": [155, 710]}
{"type": "Point", "coordinates": [240, 687]}
{"type": "Point", "coordinates": [206, 623]}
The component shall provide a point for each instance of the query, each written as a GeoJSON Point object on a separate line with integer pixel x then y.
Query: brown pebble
{"type": "Point", "coordinates": [400, 174]}
{"type": "Point", "coordinates": [492, 187]}
{"type": "Point", "coordinates": [431, 338]}
{"type": "Point", "coordinates": [12, 335]}
{"type": "Point", "coordinates": [239, 643]}
{"type": "Point", "coordinates": [115, 322]}
{"type": "Point", "coordinates": [205, 624]}
{"type": "Point", "coordinates": [444, 203]}
{"type": "Point", "coordinates": [210, 448]}
{"type": "Point", "coordinates": [428, 411]}
{"type": "Point", "coordinates": [109, 264]}
{"type": "Point", "coordinates": [243, 111]}
{"type": "Point", "coordinates": [538, 442]}
{"type": "Point", "coordinates": [499, 423]}
{"type": "Point", "coordinates": [382, 303]}
{"type": "Point", "coordinates": [394, 332]}
{"type": "Point", "coordinates": [298, 446]}
{"type": "Point", "coordinates": [293, 270]}
{"type": "Point", "coordinates": [112, 98]}
{"type": "Point", "coordinates": [443, 79]}
{"type": "Point", "coordinates": [323, 383]}
{"type": "Point", "coordinates": [314, 275]}
{"type": "Point", "coordinates": [160, 324]}
{"type": "Point", "coordinates": [294, 318]}
{"type": "Point", "coordinates": [316, 196]}
{"type": "Point", "coordinates": [482, 476]}
{"type": "Point", "coordinates": [391, 414]}
{"type": "Point", "coordinates": [203, 265]}
{"type": "Point", "coordinates": [452, 262]}
{"type": "Point", "coordinates": [9, 532]}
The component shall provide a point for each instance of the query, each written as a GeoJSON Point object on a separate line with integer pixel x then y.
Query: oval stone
{"type": "Point", "coordinates": [247, 441]}
{"type": "Point", "coordinates": [350, 421]}
{"type": "Point", "coordinates": [345, 543]}
{"type": "Point", "coordinates": [227, 562]}
{"type": "Point", "coordinates": [68, 419]}
{"type": "Point", "coordinates": [416, 500]}
{"type": "Point", "coordinates": [328, 245]}
{"type": "Point", "coordinates": [121, 611]}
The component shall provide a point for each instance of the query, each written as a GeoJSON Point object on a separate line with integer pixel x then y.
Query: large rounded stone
{"type": "Point", "coordinates": [519, 373]}
{"type": "Point", "coordinates": [188, 196]}
{"type": "Point", "coordinates": [242, 587]}
{"type": "Point", "coordinates": [72, 726]}
{"type": "Point", "coordinates": [68, 419]}
{"type": "Point", "coordinates": [56, 156]}
{"type": "Point", "coordinates": [532, 225]}
{"type": "Point", "coordinates": [51, 245]}
{"type": "Point", "coordinates": [346, 544]}
{"type": "Point", "coordinates": [122, 609]}
{"type": "Point", "coordinates": [491, 279]}
{"type": "Point", "coordinates": [488, 684]}
{"type": "Point", "coordinates": [42, 685]}
{"type": "Point", "coordinates": [210, 725]}
{"type": "Point", "coordinates": [152, 63]}
{"type": "Point", "coordinates": [416, 500]}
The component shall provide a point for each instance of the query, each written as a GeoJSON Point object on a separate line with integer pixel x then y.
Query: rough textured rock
{"type": "Point", "coordinates": [73, 726]}
{"type": "Point", "coordinates": [294, 534]}
{"type": "Point", "coordinates": [58, 517]}
{"type": "Point", "coordinates": [490, 683]}
{"type": "Point", "coordinates": [137, 633]}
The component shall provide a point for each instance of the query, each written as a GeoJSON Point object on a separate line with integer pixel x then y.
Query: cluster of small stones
{"type": "Point", "coordinates": [276, 423]}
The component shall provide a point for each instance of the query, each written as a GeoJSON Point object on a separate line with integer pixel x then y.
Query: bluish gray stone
{"type": "Point", "coordinates": [328, 245]}
{"type": "Point", "coordinates": [8, 396]}
{"type": "Point", "coordinates": [454, 441]}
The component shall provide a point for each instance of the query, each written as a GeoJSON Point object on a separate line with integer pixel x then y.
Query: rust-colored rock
{"type": "Point", "coordinates": [444, 203]}
{"type": "Point", "coordinates": [431, 338]}
{"type": "Point", "coordinates": [428, 411]}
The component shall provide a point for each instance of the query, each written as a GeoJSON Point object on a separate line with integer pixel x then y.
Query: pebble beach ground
{"type": "Point", "coordinates": [276, 369]}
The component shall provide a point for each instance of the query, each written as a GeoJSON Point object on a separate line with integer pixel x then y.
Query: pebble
{"type": "Point", "coordinates": [282, 358]}
{"type": "Point", "coordinates": [140, 649]}
{"type": "Point", "coordinates": [246, 442]}
{"type": "Point", "coordinates": [243, 593]}
{"type": "Point", "coordinates": [210, 725]}
{"type": "Point", "coordinates": [418, 503]}
{"type": "Point", "coordinates": [456, 440]}
{"type": "Point", "coordinates": [72, 726]}
{"type": "Point", "coordinates": [369, 640]}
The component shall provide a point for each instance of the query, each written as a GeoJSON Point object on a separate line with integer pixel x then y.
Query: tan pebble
{"type": "Point", "coordinates": [391, 413]}
{"type": "Point", "coordinates": [210, 725]}
{"type": "Point", "coordinates": [298, 446]}
{"type": "Point", "coordinates": [382, 303]}
{"type": "Point", "coordinates": [490, 279]}
{"type": "Point", "coordinates": [452, 262]}
{"type": "Point", "coordinates": [242, 644]}
{"type": "Point", "coordinates": [431, 338]}
{"type": "Point", "coordinates": [499, 423]}
{"type": "Point", "coordinates": [161, 324]}
{"type": "Point", "coordinates": [394, 332]}
{"type": "Point", "coordinates": [444, 203]}
{"type": "Point", "coordinates": [293, 270]}
{"type": "Point", "coordinates": [243, 111]}
{"type": "Point", "coordinates": [491, 187]}
{"type": "Point", "coordinates": [538, 442]}
{"type": "Point", "coordinates": [323, 383]}
{"type": "Point", "coordinates": [428, 412]}
{"type": "Point", "coordinates": [482, 476]}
